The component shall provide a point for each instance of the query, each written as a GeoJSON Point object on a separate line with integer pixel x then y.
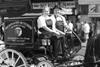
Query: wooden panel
{"type": "Point", "coordinates": [19, 31]}
{"type": "Point", "coordinates": [14, 7]}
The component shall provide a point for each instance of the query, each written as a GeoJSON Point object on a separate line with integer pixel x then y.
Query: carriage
{"type": "Point", "coordinates": [22, 46]}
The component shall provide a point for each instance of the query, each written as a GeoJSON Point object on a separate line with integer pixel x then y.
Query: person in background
{"type": "Point", "coordinates": [86, 30]}
{"type": "Point", "coordinates": [78, 28]}
{"type": "Point", "coordinates": [68, 36]}
{"type": "Point", "coordinates": [91, 29]}
{"type": "Point", "coordinates": [92, 54]}
{"type": "Point", "coordinates": [70, 27]}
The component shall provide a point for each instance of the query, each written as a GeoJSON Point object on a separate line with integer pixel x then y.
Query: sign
{"type": "Point", "coordinates": [43, 4]}
{"type": "Point", "coordinates": [19, 32]}
{"type": "Point", "coordinates": [63, 4]}
{"type": "Point", "coordinates": [11, 0]}
{"type": "Point", "coordinates": [66, 11]}
{"type": "Point", "coordinates": [67, 4]}
{"type": "Point", "coordinates": [92, 8]}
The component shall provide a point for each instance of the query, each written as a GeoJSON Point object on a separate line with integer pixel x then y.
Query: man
{"type": "Point", "coordinates": [46, 27]}
{"type": "Point", "coordinates": [60, 24]}
{"type": "Point", "coordinates": [45, 22]}
{"type": "Point", "coordinates": [59, 20]}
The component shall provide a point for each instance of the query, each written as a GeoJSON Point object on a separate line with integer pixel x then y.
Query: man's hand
{"type": "Point", "coordinates": [68, 29]}
{"type": "Point", "coordinates": [62, 33]}
{"type": "Point", "coordinates": [56, 33]}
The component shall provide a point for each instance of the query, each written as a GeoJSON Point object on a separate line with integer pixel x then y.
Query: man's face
{"type": "Point", "coordinates": [56, 11]}
{"type": "Point", "coordinates": [46, 11]}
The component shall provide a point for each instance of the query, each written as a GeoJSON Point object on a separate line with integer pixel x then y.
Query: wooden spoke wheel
{"type": "Point", "coordinates": [45, 64]}
{"type": "Point", "coordinates": [12, 58]}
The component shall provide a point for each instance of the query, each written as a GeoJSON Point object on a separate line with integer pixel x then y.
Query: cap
{"type": "Point", "coordinates": [56, 7]}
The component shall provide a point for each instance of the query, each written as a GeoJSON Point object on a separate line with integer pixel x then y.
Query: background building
{"type": "Point", "coordinates": [92, 11]}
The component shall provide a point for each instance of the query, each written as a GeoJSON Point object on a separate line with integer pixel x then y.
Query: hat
{"type": "Point", "coordinates": [56, 7]}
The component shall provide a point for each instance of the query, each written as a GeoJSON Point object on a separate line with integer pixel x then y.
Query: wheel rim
{"type": "Point", "coordinates": [44, 64]}
{"type": "Point", "coordinates": [78, 57]}
{"type": "Point", "coordinates": [12, 58]}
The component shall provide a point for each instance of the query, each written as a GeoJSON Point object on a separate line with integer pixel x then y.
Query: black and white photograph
{"type": "Point", "coordinates": [49, 33]}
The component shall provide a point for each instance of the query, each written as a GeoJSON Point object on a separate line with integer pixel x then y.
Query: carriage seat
{"type": "Point", "coordinates": [45, 38]}
{"type": "Point", "coordinates": [44, 42]}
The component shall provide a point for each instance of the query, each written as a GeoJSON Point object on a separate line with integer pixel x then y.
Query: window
{"type": "Point", "coordinates": [83, 10]}
{"type": "Point", "coordinates": [14, 7]}
{"type": "Point", "coordinates": [1, 1]}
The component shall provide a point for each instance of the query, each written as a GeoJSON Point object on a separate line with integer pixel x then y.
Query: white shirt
{"type": "Point", "coordinates": [42, 22]}
{"type": "Point", "coordinates": [59, 18]}
{"type": "Point", "coordinates": [86, 28]}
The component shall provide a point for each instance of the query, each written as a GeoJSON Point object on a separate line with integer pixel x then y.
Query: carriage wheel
{"type": "Point", "coordinates": [45, 64]}
{"type": "Point", "coordinates": [79, 57]}
{"type": "Point", "coordinates": [12, 58]}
